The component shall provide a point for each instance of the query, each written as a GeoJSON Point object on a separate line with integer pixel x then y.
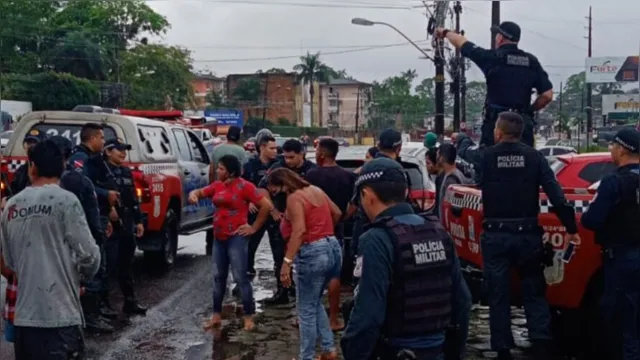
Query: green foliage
{"type": "Point", "coordinates": [282, 121]}
{"type": "Point", "coordinates": [214, 99]}
{"type": "Point", "coordinates": [247, 90]}
{"type": "Point", "coordinates": [50, 91]}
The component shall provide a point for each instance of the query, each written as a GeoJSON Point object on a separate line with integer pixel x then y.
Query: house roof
{"type": "Point", "coordinates": [338, 82]}
{"type": "Point", "coordinates": [208, 77]}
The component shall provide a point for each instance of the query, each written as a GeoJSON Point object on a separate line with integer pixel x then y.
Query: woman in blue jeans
{"type": "Point", "coordinates": [313, 251]}
{"type": "Point", "coordinates": [232, 195]}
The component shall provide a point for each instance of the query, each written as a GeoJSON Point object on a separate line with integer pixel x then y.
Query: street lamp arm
{"type": "Point", "coordinates": [406, 38]}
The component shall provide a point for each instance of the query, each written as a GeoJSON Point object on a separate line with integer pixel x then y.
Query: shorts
{"type": "Point", "coordinates": [9, 331]}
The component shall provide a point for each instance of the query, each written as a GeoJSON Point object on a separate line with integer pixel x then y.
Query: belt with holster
{"type": "Point", "coordinates": [514, 226]}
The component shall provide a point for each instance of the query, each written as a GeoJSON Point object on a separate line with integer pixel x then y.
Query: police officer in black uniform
{"type": "Point", "coordinates": [511, 174]}
{"type": "Point", "coordinates": [614, 216]}
{"type": "Point", "coordinates": [511, 74]}
{"type": "Point", "coordinates": [411, 289]}
{"type": "Point", "coordinates": [254, 170]}
{"type": "Point", "coordinates": [125, 217]}
{"type": "Point", "coordinates": [94, 307]}
{"type": "Point", "coordinates": [21, 175]}
{"type": "Point", "coordinates": [292, 159]}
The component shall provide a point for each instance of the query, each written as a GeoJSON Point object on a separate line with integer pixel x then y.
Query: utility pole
{"type": "Point", "coordinates": [495, 21]}
{"type": "Point", "coordinates": [440, 12]}
{"type": "Point", "coordinates": [560, 124]}
{"type": "Point", "coordinates": [455, 85]}
{"type": "Point", "coordinates": [589, 104]}
{"type": "Point", "coordinates": [463, 88]}
{"type": "Point", "coordinates": [358, 117]}
{"type": "Point", "coordinates": [265, 97]}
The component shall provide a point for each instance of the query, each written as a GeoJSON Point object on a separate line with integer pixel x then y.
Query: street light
{"type": "Point", "coordinates": [365, 22]}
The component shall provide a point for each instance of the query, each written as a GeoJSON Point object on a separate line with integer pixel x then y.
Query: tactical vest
{"type": "Point", "coordinates": [419, 298]}
{"type": "Point", "coordinates": [510, 188]}
{"type": "Point", "coordinates": [623, 222]}
{"type": "Point", "coordinates": [511, 78]}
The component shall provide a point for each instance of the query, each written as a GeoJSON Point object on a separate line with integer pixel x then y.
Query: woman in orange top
{"type": "Point", "coordinates": [232, 195]}
{"type": "Point", "coordinates": [308, 227]}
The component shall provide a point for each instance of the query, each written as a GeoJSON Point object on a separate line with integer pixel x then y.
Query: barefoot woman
{"type": "Point", "coordinates": [232, 195]}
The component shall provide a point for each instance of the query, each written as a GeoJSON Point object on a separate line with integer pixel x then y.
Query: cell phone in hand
{"type": "Point", "coordinates": [568, 253]}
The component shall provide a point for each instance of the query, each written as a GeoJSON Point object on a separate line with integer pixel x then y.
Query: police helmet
{"type": "Point", "coordinates": [65, 145]}
{"type": "Point", "coordinates": [260, 134]}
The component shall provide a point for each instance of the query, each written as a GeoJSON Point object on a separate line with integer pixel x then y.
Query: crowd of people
{"type": "Point", "coordinates": [68, 225]}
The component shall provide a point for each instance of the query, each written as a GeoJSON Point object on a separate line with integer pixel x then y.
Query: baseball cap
{"type": "Point", "coordinates": [628, 138]}
{"type": "Point", "coordinates": [389, 139]}
{"type": "Point", "coordinates": [381, 169]}
{"type": "Point", "coordinates": [508, 29]}
{"type": "Point", "coordinates": [34, 135]}
{"type": "Point", "coordinates": [233, 134]}
{"type": "Point", "coordinates": [65, 145]}
{"type": "Point", "coordinates": [116, 144]}
{"type": "Point", "coordinates": [430, 140]}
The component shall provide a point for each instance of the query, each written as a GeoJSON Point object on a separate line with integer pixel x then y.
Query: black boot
{"type": "Point", "coordinates": [280, 297]}
{"type": "Point", "coordinates": [94, 322]}
{"type": "Point", "coordinates": [131, 307]}
{"type": "Point", "coordinates": [106, 310]}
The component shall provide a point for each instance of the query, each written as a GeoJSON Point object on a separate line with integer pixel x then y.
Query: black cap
{"type": "Point", "coordinates": [34, 135]}
{"type": "Point", "coordinates": [116, 144]}
{"type": "Point", "coordinates": [628, 138]}
{"type": "Point", "coordinates": [233, 134]}
{"type": "Point", "coordinates": [389, 139]}
{"type": "Point", "coordinates": [508, 29]}
{"type": "Point", "coordinates": [65, 145]}
{"type": "Point", "coordinates": [381, 169]}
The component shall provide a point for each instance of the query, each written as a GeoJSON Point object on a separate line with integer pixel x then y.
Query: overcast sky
{"type": "Point", "coordinates": [553, 30]}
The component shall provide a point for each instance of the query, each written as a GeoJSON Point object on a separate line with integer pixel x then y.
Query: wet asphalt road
{"type": "Point", "coordinates": [180, 301]}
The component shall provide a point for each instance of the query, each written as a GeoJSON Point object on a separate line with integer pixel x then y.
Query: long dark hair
{"type": "Point", "coordinates": [288, 178]}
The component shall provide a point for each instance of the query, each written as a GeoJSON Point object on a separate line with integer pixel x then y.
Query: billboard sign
{"type": "Point", "coordinates": [612, 69]}
{"type": "Point", "coordinates": [229, 117]}
{"type": "Point", "coordinates": [619, 107]}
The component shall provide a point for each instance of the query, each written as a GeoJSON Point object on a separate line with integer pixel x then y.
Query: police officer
{"type": "Point", "coordinates": [93, 301]}
{"type": "Point", "coordinates": [511, 74]}
{"type": "Point", "coordinates": [21, 175]}
{"type": "Point", "coordinates": [511, 174]}
{"type": "Point", "coordinates": [411, 289]}
{"type": "Point", "coordinates": [614, 215]}
{"type": "Point", "coordinates": [125, 217]}
{"type": "Point", "coordinates": [292, 159]}
{"type": "Point", "coordinates": [254, 170]}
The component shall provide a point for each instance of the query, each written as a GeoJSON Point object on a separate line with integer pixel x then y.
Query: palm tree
{"type": "Point", "coordinates": [310, 70]}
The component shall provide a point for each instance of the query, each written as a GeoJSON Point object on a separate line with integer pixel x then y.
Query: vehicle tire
{"type": "Point", "coordinates": [165, 258]}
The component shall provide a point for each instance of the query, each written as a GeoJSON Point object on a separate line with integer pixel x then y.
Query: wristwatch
{"type": "Point", "coordinates": [288, 261]}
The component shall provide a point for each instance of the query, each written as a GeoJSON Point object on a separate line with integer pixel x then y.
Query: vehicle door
{"type": "Point", "coordinates": [189, 172]}
{"type": "Point", "coordinates": [200, 158]}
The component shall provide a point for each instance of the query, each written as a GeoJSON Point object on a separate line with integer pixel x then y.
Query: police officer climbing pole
{"type": "Point", "coordinates": [511, 74]}
{"type": "Point", "coordinates": [511, 174]}
{"type": "Point", "coordinates": [411, 290]}
{"type": "Point", "coordinates": [613, 215]}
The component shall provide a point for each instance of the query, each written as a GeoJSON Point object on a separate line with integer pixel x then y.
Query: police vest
{"type": "Point", "coordinates": [622, 226]}
{"type": "Point", "coordinates": [511, 78]}
{"type": "Point", "coordinates": [419, 299]}
{"type": "Point", "coordinates": [510, 188]}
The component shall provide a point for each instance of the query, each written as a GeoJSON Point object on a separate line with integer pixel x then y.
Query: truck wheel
{"type": "Point", "coordinates": [165, 258]}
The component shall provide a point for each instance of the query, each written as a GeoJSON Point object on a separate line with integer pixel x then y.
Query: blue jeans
{"type": "Point", "coordinates": [621, 301]}
{"type": "Point", "coordinates": [501, 252]}
{"type": "Point", "coordinates": [315, 264]}
{"type": "Point", "coordinates": [231, 252]}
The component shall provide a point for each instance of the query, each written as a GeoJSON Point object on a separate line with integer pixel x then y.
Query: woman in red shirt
{"type": "Point", "coordinates": [232, 195]}
{"type": "Point", "coordinates": [308, 227]}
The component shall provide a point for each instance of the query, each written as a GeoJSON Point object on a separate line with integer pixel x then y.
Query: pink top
{"type": "Point", "coordinates": [318, 222]}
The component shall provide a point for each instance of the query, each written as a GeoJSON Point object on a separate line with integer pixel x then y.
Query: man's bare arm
{"type": "Point", "coordinates": [542, 100]}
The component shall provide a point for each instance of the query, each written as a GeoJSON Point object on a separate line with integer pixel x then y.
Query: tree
{"type": "Point", "coordinates": [50, 90]}
{"type": "Point", "coordinates": [310, 70]}
{"type": "Point", "coordinates": [247, 90]}
{"type": "Point", "coordinates": [76, 53]}
{"type": "Point", "coordinates": [475, 99]}
{"type": "Point", "coordinates": [394, 103]}
{"type": "Point", "coordinates": [272, 71]}
{"type": "Point", "coordinates": [214, 99]}
{"type": "Point", "coordinates": [155, 72]}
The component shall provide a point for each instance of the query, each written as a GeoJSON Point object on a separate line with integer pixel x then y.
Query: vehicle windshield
{"type": "Point", "coordinates": [70, 131]}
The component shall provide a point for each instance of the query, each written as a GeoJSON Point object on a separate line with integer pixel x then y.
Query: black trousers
{"type": "Point", "coordinates": [489, 124]}
{"type": "Point", "coordinates": [276, 242]}
{"type": "Point", "coordinates": [65, 343]}
{"type": "Point", "coordinates": [122, 248]}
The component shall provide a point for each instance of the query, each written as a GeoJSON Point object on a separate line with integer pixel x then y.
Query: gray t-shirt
{"type": "Point", "coordinates": [46, 240]}
{"type": "Point", "coordinates": [455, 178]}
